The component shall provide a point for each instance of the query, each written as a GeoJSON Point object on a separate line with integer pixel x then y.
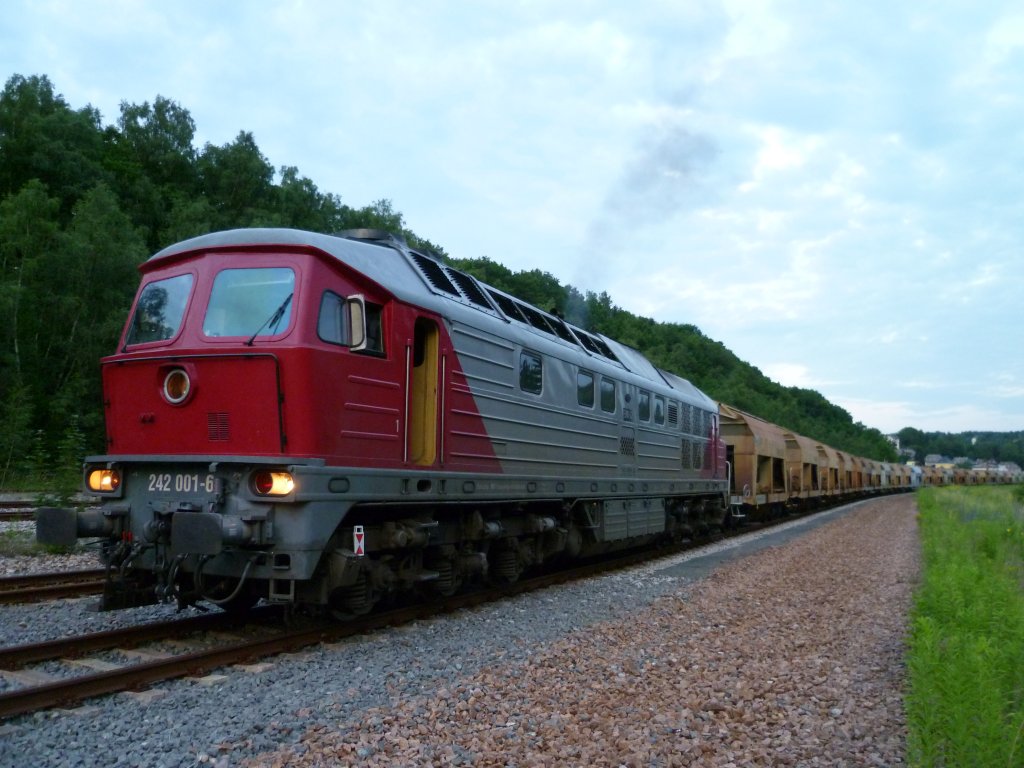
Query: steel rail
{"type": "Point", "coordinates": [50, 586]}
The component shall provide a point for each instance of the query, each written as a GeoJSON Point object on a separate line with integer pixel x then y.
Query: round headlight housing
{"type": "Point", "coordinates": [177, 386]}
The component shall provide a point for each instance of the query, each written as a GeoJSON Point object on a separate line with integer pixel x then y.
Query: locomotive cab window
{"type": "Point", "coordinates": [334, 323]}
{"type": "Point", "coordinates": [374, 329]}
{"type": "Point", "coordinates": [585, 389]}
{"type": "Point", "coordinates": [531, 372]}
{"type": "Point", "coordinates": [159, 311]}
{"type": "Point", "coordinates": [250, 302]}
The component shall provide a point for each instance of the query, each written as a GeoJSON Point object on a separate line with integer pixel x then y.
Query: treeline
{"type": "Point", "coordinates": [82, 204]}
{"type": "Point", "coordinates": [980, 446]}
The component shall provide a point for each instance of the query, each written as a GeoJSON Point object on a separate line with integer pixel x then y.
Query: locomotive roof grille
{"type": "Point", "coordinates": [536, 319]}
{"type": "Point", "coordinates": [470, 288]}
{"type": "Point", "coordinates": [435, 274]}
{"type": "Point", "coordinates": [563, 330]}
{"type": "Point", "coordinates": [508, 306]}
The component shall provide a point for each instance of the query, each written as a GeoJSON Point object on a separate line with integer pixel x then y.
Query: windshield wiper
{"type": "Point", "coordinates": [273, 320]}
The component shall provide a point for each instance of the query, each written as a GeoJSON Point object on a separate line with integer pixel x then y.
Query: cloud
{"type": "Point", "coordinates": [794, 375]}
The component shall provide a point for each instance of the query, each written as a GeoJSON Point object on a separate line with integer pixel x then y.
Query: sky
{"type": "Point", "coordinates": [833, 190]}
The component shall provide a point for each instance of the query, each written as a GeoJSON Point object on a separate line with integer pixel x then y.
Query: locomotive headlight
{"type": "Point", "coordinates": [267, 483]}
{"type": "Point", "coordinates": [104, 480]}
{"type": "Point", "coordinates": [177, 386]}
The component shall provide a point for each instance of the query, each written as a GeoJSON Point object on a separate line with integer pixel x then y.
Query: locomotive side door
{"type": "Point", "coordinates": [421, 379]}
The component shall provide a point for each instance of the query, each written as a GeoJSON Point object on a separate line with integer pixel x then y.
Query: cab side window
{"type": "Point", "coordinates": [332, 323]}
{"type": "Point", "coordinates": [374, 329]}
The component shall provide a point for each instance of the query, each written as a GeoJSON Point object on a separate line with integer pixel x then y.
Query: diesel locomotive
{"type": "Point", "coordinates": [326, 420]}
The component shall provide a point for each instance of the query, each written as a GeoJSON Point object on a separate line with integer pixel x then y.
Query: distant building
{"type": "Point", "coordinates": [934, 459]}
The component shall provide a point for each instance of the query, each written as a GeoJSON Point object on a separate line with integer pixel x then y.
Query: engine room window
{"type": "Point", "coordinates": [585, 389]}
{"type": "Point", "coordinates": [659, 409]}
{"type": "Point", "coordinates": [608, 395]}
{"type": "Point", "coordinates": [160, 309]}
{"type": "Point", "coordinates": [250, 302]}
{"type": "Point", "coordinates": [644, 406]}
{"type": "Point", "coordinates": [530, 373]}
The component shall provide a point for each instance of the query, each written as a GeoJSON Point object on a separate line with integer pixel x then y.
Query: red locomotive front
{"type": "Point", "coordinates": [319, 421]}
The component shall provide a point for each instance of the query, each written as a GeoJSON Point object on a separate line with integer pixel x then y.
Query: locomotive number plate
{"type": "Point", "coordinates": [180, 482]}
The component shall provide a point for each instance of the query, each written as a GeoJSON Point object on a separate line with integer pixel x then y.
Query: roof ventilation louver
{"type": "Point", "coordinates": [507, 306]}
{"type": "Point", "coordinates": [469, 287]}
{"type": "Point", "coordinates": [435, 274]}
{"type": "Point", "coordinates": [535, 318]}
{"type": "Point", "coordinates": [562, 330]}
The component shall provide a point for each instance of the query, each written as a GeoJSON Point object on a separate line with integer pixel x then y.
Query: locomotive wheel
{"type": "Point", "coordinates": [505, 565]}
{"type": "Point", "coordinates": [448, 578]}
{"type": "Point", "coordinates": [349, 602]}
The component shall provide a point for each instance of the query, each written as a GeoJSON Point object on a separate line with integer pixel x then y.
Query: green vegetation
{"type": "Point", "coordinates": [18, 541]}
{"type": "Point", "coordinates": [1001, 446]}
{"type": "Point", "coordinates": [965, 706]}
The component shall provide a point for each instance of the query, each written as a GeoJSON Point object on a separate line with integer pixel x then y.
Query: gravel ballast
{"type": "Point", "coordinates": [789, 656]}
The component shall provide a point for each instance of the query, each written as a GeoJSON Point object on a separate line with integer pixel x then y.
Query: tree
{"type": "Point", "coordinates": [28, 230]}
{"type": "Point", "coordinates": [237, 179]}
{"type": "Point", "coordinates": [101, 254]}
{"type": "Point", "coordinates": [153, 162]}
{"type": "Point", "coordinates": [42, 138]}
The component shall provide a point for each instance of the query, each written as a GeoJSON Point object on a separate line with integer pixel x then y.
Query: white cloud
{"type": "Point", "coordinates": [793, 375]}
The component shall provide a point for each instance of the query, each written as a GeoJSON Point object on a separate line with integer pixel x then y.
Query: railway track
{"type": "Point", "coordinates": [147, 670]}
{"type": "Point", "coordinates": [37, 693]}
{"type": "Point", "coordinates": [22, 514]}
{"type": "Point", "coordinates": [37, 587]}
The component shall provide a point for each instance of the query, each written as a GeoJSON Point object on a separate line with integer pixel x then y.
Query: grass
{"type": "Point", "coordinates": [15, 542]}
{"type": "Point", "coordinates": [965, 704]}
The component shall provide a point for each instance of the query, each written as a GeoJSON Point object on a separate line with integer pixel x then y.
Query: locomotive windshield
{"type": "Point", "coordinates": [250, 302]}
{"type": "Point", "coordinates": [160, 309]}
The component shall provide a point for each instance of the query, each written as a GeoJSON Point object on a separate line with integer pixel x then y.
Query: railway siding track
{"type": "Point", "coordinates": [36, 587]}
